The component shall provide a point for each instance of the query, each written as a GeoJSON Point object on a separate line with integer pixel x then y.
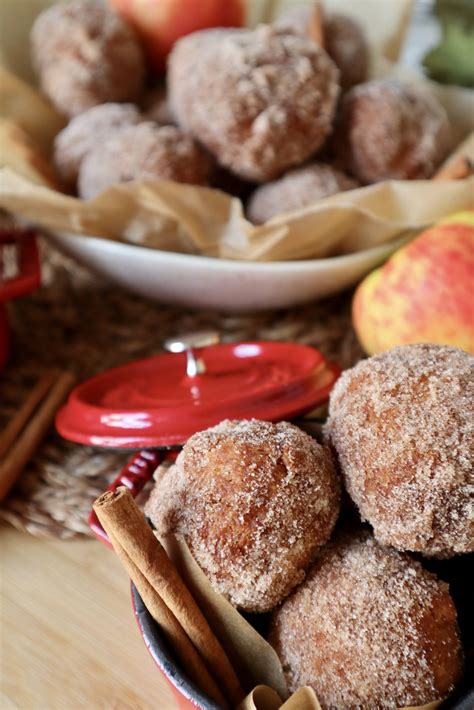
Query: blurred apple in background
{"type": "Point", "coordinates": [424, 292]}
{"type": "Point", "coordinates": [161, 22]}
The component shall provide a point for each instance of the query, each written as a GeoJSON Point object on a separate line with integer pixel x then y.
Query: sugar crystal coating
{"type": "Point", "coordinates": [390, 130]}
{"type": "Point", "coordinates": [344, 41]}
{"type": "Point", "coordinates": [86, 132]}
{"type": "Point", "coordinates": [85, 55]}
{"type": "Point", "coordinates": [402, 426]}
{"type": "Point", "coordinates": [254, 501]}
{"type": "Point", "coordinates": [261, 101]}
{"type": "Point", "coordinates": [369, 628]}
{"type": "Point", "coordinates": [297, 189]}
{"type": "Point", "coordinates": [146, 151]}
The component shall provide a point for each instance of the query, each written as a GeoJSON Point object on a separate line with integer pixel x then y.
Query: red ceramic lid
{"type": "Point", "coordinates": [153, 402]}
{"type": "Point", "coordinates": [25, 276]}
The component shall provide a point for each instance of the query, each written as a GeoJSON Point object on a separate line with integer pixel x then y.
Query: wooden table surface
{"type": "Point", "coordinates": [68, 637]}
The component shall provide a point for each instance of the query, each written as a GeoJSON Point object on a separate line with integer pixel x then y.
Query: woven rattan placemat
{"type": "Point", "coordinates": [76, 321]}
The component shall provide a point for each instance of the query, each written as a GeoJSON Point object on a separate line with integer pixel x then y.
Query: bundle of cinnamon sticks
{"type": "Point", "coordinates": [22, 436]}
{"type": "Point", "coordinates": [167, 598]}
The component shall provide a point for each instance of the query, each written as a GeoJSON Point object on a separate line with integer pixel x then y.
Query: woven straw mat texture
{"type": "Point", "coordinates": [76, 321]}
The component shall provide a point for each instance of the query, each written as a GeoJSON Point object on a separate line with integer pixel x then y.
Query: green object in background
{"type": "Point", "coordinates": [452, 61]}
{"type": "Point", "coordinates": [462, 10]}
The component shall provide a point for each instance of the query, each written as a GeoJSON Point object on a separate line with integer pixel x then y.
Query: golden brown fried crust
{"type": "Point", "coordinates": [254, 501]}
{"type": "Point", "coordinates": [401, 424]}
{"type": "Point", "coordinates": [369, 628]}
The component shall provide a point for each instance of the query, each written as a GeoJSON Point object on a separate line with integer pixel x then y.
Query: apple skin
{"type": "Point", "coordinates": [159, 23]}
{"type": "Point", "coordinates": [424, 293]}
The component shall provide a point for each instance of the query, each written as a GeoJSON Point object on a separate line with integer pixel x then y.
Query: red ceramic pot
{"type": "Point", "coordinates": [19, 274]}
{"type": "Point", "coordinates": [186, 694]}
{"type": "Point", "coordinates": [455, 571]}
{"type": "Point", "coordinates": [158, 403]}
{"type": "Point", "coordinates": [4, 337]}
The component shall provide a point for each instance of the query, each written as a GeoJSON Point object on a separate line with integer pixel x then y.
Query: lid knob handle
{"type": "Point", "coordinates": [189, 343]}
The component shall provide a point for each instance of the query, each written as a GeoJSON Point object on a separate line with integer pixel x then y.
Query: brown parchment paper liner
{"type": "Point", "coordinates": [254, 660]}
{"type": "Point", "coordinates": [21, 153]}
{"type": "Point", "coordinates": [30, 110]}
{"type": "Point", "coordinates": [184, 218]}
{"type": "Point", "coordinates": [264, 698]}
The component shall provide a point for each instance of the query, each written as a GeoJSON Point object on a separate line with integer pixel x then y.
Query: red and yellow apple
{"type": "Point", "coordinates": [423, 293]}
{"type": "Point", "coordinates": [161, 22]}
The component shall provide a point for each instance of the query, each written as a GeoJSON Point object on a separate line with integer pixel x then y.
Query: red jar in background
{"type": "Point", "coordinates": [19, 274]}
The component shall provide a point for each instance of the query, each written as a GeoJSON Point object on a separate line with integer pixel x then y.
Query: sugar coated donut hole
{"type": "Point", "coordinates": [297, 189]}
{"type": "Point", "coordinates": [401, 425]}
{"type": "Point", "coordinates": [344, 41]}
{"type": "Point", "coordinates": [369, 628]}
{"type": "Point", "coordinates": [85, 133]}
{"type": "Point", "coordinates": [85, 55]}
{"type": "Point", "coordinates": [261, 101]}
{"type": "Point", "coordinates": [389, 130]}
{"type": "Point", "coordinates": [146, 151]}
{"type": "Point", "coordinates": [254, 501]}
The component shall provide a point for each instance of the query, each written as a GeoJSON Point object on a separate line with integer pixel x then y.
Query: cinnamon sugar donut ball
{"type": "Point", "coordinates": [297, 189]}
{"type": "Point", "coordinates": [86, 55]}
{"type": "Point", "coordinates": [143, 152]}
{"type": "Point", "coordinates": [387, 130]}
{"type": "Point", "coordinates": [344, 41]}
{"type": "Point", "coordinates": [261, 101]}
{"type": "Point", "coordinates": [254, 501]}
{"type": "Point", "coordinates": [402, 425]}
{"type": "Point", "coordinates": [86, 132]}
{"type": "Point", "coordinates": [369, 628]}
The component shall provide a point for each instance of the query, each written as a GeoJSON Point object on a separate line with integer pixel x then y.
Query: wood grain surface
{"type": "Point", "coordinates": [68, 637]}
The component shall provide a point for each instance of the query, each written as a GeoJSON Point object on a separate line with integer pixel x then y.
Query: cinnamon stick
{"type": "Point", "coordinates": [172, 629]}
{"type": "Point", "coordinates": [126, 526]}
{"type": "Point", "coordinates": [19, 420]}
{"type": "Point", "coordinates": [28, 441]}
{"type": "Point", "coordinates": [456, 168]}
{"type": "Point", "coordinates": [315, 27]}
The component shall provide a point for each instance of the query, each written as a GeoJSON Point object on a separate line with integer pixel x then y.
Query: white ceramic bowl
{"type": "Point", "coordinates": [223, 284]}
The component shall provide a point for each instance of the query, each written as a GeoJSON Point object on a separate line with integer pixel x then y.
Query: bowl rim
{"type": "Point", "coordinates": [236, 265]}
{"type": "Point", "coordinates": [163, 657]}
